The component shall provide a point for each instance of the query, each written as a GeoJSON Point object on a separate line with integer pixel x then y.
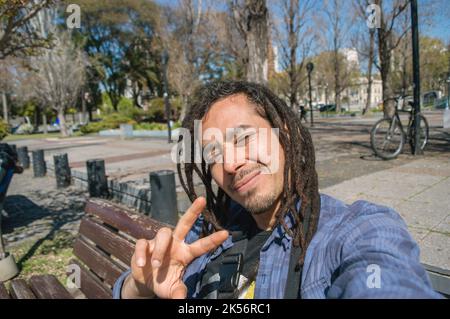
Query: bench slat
{"type": "Point", "coordinates": [20, 290]}
{"type": "Point", "coordinates": [48, 287]}
{"type": "Point", "coordinates": [97, 261]}
{"type": "Point", "coordinates": [131, 223]}
{"type": "Point", "coordinates": [91, 287]}
{"type": "Point", "coordinates": [3, 292]}
{"type": "Point", "coordinates": [108, 240]}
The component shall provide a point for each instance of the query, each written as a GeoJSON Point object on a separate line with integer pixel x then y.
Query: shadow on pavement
{"type": "Point", "coordinates": [23, 215]}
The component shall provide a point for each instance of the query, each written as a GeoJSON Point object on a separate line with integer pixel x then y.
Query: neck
{"type": "Point", "coordinates": [266, 220]}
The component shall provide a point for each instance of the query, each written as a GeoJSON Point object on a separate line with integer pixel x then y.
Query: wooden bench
{"type": "Point", "coordinates": [38, 287]}
{"type": "Point", "coordinates": [103, 250]}
{"type": "Point", "coordinates": [105, 244]}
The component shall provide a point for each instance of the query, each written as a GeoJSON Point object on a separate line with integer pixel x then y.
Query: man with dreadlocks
{"type": "Point", "coordinates": [263, 230]}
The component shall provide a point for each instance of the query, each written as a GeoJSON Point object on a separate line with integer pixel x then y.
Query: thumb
{"type": "Point", "coordinates": [179, 291]}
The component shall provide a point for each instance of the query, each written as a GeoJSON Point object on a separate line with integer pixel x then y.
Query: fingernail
{"type": "Point", "coordinates": [140, 262]}
{"type": "Point", "coordinates": [156, 263]}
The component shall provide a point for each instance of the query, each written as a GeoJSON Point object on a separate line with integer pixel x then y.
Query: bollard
{"type": "Point", "coordinates": [62, 170]}
{"type": "Point", "coordinates": [97, 181]}
{"type": "Point", "coordinates": [23, 157]}
{"type": "Point", "coordinates": [14, 147]}
{"type": "Point", "coordinates": [39, 167]}
{"type": "Point", "coordinates": [163, 196]}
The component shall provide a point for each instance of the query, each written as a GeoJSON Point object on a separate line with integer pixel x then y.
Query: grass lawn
{"type": "Point", "coordinates": [49, 256]}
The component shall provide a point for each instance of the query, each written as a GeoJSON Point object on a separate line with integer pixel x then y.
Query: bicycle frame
{"type": "Point", "coordinates": [408, 127]}
{"type": "Point", "coordinates": [396, 119]}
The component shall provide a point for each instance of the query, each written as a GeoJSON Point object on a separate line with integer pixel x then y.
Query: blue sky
{"type": "Point", "coordinates": [440, 10]}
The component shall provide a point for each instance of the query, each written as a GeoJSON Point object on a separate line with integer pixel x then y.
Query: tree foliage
{"type": "Point", "coordinates": [17, 37]}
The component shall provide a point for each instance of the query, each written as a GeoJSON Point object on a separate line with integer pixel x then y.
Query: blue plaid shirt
{"type": "Point", "coordinates": [352, 244]}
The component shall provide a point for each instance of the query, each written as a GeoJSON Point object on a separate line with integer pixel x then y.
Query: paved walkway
{"type": "Point", "coordinates": [417, 187]}
{"type": "Point", "coordinates": [420, 192]}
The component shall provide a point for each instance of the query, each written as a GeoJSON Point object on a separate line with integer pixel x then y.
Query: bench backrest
{"type": "Point", "coordinates": [105, 244]}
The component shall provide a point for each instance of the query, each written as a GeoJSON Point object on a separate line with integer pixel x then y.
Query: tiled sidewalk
{"type": "Point", "coordinates": [420, 192]}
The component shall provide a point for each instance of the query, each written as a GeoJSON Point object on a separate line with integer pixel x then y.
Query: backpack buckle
{"type": "Point", "coordinates": [230, 271]}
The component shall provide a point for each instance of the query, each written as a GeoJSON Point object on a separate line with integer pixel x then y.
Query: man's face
{"type": "Point", "coordinates": [252, 160]}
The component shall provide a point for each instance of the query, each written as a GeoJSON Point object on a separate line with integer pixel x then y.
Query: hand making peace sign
{"type": "Point", "coordinates": [159, 264]}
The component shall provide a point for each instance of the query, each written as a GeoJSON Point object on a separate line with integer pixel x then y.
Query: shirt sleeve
{"type": "Point", "coordinates": [117, 289]}
{"type": "Point", "coordinates": [379, 259]}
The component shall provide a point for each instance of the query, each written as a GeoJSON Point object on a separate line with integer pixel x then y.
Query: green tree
{"type": "Point", "coordinates": [118, 33]}
{"type": "Point", "coordinates": [434, 65]}
{"type": "Point", "coordinates": [17, 37]}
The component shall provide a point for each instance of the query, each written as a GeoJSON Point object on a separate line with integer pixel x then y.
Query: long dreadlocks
{"type": "Point", "coordinates": [300, 175]}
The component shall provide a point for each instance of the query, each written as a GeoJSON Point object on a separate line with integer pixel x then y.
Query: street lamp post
{"type": "Point", "coordinates": [165, 60]}
{"type": "Point", "coordinates": [309, 68]}
{"type": "Point", "coordinates": [416, 77]}
{"type": "Point", "coordinates": [448, 92]}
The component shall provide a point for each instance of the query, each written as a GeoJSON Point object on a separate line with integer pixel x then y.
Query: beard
{"type": "Point", "coordinates": [258, 204]}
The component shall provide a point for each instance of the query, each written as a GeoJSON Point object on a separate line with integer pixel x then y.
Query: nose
{"type": "Point", "coordinates": [232, 161]}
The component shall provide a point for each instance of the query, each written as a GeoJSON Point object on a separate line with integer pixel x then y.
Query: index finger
{"type": "Point", "coordinates": [186, 221]}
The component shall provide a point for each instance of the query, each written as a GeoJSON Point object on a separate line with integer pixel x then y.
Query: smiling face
{"type": "Point", "coordinates": [245, 156]}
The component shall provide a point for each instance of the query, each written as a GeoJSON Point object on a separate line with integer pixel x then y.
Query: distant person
{"type": "Point", "coordinates": [303, 114]}
{"type": "Point", "coordinates": [267, 232]}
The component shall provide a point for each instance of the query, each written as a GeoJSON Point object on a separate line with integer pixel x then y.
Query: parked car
{"type": "Point", "coordinates": [429, 98]}
{"type": "Point", "coordinates": [331, 108]}
{"type": "Point", "coordinates": [318, 106]}
{"type": "Point", "coordinates": [441, 103]}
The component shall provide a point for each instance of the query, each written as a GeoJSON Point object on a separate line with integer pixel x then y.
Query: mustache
{"type": "Point", "coordinates": [243, 173]}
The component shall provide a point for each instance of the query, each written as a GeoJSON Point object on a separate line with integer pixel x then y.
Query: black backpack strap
{"type": "Point", "coordinates": [294, 278]}
{"type": "Point", "coordinates": [231, 267]}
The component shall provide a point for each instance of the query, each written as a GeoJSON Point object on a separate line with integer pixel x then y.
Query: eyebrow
{"type": "Point", "coordinates": [241, 126]}
{"type": "Point", "coordinates": [229, 132]}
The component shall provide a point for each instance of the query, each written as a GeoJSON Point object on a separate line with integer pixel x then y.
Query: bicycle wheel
{"type": "Point", "coordinates": [387, 139]}
{"type": "Point", "coordinates": [423, 133]}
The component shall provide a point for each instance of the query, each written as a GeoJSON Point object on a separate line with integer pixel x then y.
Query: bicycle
{"type": "Point", "coordinates": [388, 137]}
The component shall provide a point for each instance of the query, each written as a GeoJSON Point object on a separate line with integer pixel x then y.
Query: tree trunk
{"type": "Point", "coordinates": [388, 94]}
{"type": "Point", "coordinates": [404, 71]}
{"type": "Point", "coordinates": [37, 118]}
{"type": "Point", "coordinates": [386, 78]}
{"type": "Point", "coordinates": [384, 51]}
{"type": "Point", "coordinates": [337, 81]}
{"type": "Point", "coordinates": [292, 49]}
{"type": "Point", "coordinates": [90, 114]}
{"type": "Point", "coordinates": [5, 108]}
{"type": "Point", "coordinates": [184, 106]}
{"type": "Point", "coordinates": [44, 121]}
{"type": "Point", "coordinates": [83, 108]}
{"type": "Point", "coordinates": [62, 124]}
{"type": "Point", "coordinates": [114, 101]}
{"type": "Point", "coordinates": [369, 74]}
{"type": "Point", "coordinates": [257, 41]}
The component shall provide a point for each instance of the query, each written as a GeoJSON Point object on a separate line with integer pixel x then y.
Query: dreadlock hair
{"type": "Point", "coordinates": [300, 176]}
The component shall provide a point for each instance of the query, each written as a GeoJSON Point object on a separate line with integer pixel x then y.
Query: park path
{"type": "Point", "coordinates": [417, 187]}
{"type": "Point", "coordinates": [420, 192]}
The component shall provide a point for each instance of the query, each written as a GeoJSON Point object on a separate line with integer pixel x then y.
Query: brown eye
{"type": "Point", "coordinates": [243, 139]}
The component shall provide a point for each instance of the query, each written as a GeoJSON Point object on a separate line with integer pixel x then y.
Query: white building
{"type": "Point", "coordinates": [354, 97]}
{"type": "Point", "coordinates": [351, 56]}
{"type": "Point", "coordinates": [357, 94]}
